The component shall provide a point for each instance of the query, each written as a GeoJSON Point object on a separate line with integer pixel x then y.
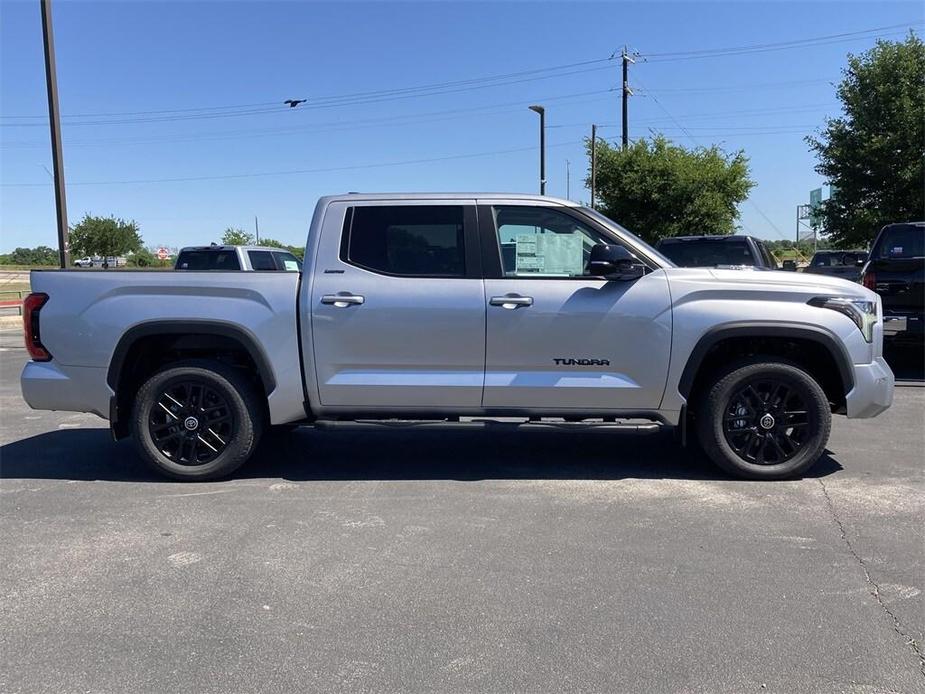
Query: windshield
{"type": "Point", "coordinates": [907, 241]}
{"type": "Point", "coordinates": [608, 222]}
{"type": "Point", "coordinates": [707, 253]}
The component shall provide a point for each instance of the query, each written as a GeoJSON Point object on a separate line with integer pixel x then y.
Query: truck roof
{"type": "Point", "coordinates": [708, 237]}
{"type": "Point", "coordinates": [218, 247]}
{"type": "Point", "coordinates": [353, 197]}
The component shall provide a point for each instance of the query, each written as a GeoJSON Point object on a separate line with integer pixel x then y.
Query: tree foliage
{"type": "Point", "coordinates": [237, 237]}
{"type": "Point", "coordinates": [40, 255]}
{"type": "Point", "coordinates": [873, 154]}
{"type": "Point", "coordinates": [104, 236]}
{"type": "Point", "coordinates": [657, 188]}
{"type": "Point", "coordinates": [143, 258]}
{"type": "Point", "coordinates": [297, 251]}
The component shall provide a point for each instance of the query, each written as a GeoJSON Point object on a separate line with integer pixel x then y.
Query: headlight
{"type": "Point", "coordinates": [861, 311]}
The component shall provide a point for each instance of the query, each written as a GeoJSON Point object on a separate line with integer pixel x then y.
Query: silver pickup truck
{"type": "Point", "coordinates": [441, 307]}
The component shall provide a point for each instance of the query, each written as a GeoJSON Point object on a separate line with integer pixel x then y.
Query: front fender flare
{"type": "Point", "coordinates": [800, 331]}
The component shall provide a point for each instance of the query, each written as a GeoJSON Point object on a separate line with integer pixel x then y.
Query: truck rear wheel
{"type": "Point", "coordinates": [764, 420]}
{"type": "Point", "coordinates": [196, 420]}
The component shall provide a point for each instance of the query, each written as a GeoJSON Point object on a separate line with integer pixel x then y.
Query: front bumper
{"type": "Point", "coordinates": [52, 386]}
{"type": "Point", "coordinates": [873, 389]}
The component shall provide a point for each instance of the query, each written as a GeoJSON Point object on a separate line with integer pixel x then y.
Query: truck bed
{"type": "Point", "coordinates": [88, 312]}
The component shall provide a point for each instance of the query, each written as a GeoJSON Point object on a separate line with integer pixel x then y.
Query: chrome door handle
{"type": "Point", "coordinates": [511, 301]}
{"type": "Point", "coordinates": [342, 300]}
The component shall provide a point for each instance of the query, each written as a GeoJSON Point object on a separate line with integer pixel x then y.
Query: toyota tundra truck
{"type": "Point", "coordinates": [442, 308]}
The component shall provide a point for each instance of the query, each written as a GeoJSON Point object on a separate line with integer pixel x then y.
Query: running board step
{"type": "Point", "coordinates": [481, 423]}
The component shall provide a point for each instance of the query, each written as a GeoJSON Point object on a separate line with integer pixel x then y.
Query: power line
{"type": "Point", "coordinates": [340, 99]}
{"type": "Point", "coordinates": [385, 121]}
{"type": "Point", "coordinates": [143, 113]}
{"type": "Point", "coordinates": [694, 140]}
{"type": "Point", "coordinates": [740, 87]}
{"type": "Point", "coordinates": [187, 179]}
{"type": "Point", "coordinates": [778, 46]}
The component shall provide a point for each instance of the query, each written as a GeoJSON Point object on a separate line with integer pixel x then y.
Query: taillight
{"type": "Point", "coordinates": [869, 280]}
{"type": "Point", "coordinates": [31, 306]}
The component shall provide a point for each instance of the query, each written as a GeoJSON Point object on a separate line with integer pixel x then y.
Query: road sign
{"type": "Point", "coordinates": [815, 202]}
{"type": "Point", "coordinates": [163, 254]}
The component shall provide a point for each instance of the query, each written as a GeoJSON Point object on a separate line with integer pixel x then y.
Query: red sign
{"type": "Point", "coordinates": [163, 254]}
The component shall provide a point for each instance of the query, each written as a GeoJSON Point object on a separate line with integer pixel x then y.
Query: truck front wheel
{"type": "Point", "coordinates": [196, 420]}
{"type": "Point", "coordinates": [764, 419]}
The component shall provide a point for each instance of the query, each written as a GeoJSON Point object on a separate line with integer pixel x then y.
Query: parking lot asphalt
{"type": "Point", "coordinates": [454, 561]}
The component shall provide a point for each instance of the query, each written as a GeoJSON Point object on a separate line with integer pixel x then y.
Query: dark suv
{"type": "Point", "coordinates": [844, 264]}
{"type": "Point", "coordinates": [717, 251]}
{"type": "Point", "coordinates": [896, 271]}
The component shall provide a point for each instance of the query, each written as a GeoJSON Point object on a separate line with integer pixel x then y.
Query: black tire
{"type": "Point", "coordinates": [763, 419]}
{"type": "Point", "coordinates": [229, 420]}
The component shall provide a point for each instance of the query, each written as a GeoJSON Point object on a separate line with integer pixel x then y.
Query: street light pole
{"type": "Point", "coordinates": [568, 180]}
{"type": "Point", "coordinates": [54, 121]}
{"type": "Point", "coordinates": [593, 163]}
{"type": "Point", "coordinates": [542, 111]}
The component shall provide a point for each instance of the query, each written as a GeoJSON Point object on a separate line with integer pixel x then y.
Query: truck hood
{"type": "Point", "coordinates": [773, 280]}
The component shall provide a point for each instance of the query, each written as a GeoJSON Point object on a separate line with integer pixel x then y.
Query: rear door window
{"type": "Point", "coordinates": [407, 240]}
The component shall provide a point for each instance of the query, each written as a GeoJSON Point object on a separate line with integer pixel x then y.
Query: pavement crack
{"type": "Point", "coordinates": [873, 586]}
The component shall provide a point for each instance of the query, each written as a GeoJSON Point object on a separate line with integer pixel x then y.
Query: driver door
{"type": "Point", "coordinates": [556, 338]}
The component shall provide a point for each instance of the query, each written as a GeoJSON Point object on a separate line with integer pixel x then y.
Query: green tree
{"type": "Point", "coordinates": [237, 237]}
{"type": "Point", "coordinates": [297, 251]}
{"type": "Point", "coordinates": [873, 154]}
{"type": "Point", "coordinates": [40, 255]}
{"type": "Point", "coordinates": [273, 243]}
{"type": "Point", "coordinates": [104, 236]}
{"type": "Point", "coordinates": [143, 258]}
{"type": "Point", "coordinates": [657, 188]}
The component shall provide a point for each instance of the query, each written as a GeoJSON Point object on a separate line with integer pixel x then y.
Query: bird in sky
{"type": "Point", "coordinates": [294, 102]}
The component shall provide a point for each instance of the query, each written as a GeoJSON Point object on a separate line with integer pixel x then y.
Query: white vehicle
{"type": "Point", "coordinates": [246, 258]}
{"type": "Point", "coordinates": [441, 307]}
{"type": "Point", "coordinates": [84, 262]}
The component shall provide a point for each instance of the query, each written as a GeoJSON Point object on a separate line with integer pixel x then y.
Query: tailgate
{"type": "Point", "coordinates": [900, 283]}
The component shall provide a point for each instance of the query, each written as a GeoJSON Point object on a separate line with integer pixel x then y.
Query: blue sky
{"type": "Point", "coordinates": [183, 90]}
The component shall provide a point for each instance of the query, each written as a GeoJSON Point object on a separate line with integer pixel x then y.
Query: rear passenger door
{"type": "Point", "coordinates": [398, 307]}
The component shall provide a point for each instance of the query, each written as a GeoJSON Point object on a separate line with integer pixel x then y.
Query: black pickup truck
{"type": "Point", "coordinates": [896, 271]}
{"type": "Point", "coordinates": [717, 251]}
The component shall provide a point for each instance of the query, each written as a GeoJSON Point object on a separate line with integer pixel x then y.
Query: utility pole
{"type": "Point", "coordinates": [54, 122]}
{"type": "Point", "coordinates": [627, 92]}
{"type": "Point", "coordinates": [257, 230]}
{"type": "Point", "coordinates": [593, 162]}
{"type": "Point", "coordinates": [568, 179]}
{"type": "Point", "coordinates": [542, 111]}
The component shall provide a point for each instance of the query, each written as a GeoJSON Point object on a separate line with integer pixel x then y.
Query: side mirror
{"type": "Point", "coordinates": [614, 262]}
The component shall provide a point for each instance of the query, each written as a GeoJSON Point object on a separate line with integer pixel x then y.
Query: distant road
{"type": "Point", "coordinates": [13, 277]}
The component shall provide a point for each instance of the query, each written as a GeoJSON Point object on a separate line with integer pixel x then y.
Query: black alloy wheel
{"type": "Point", "coordinates": [766, 422]}
{"type": "Point", "coordinates": [191, 423]}
{"type": "Point", "coordinates": [762, 418]}
{"type": "Point", "coordinates": [198, 419]}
